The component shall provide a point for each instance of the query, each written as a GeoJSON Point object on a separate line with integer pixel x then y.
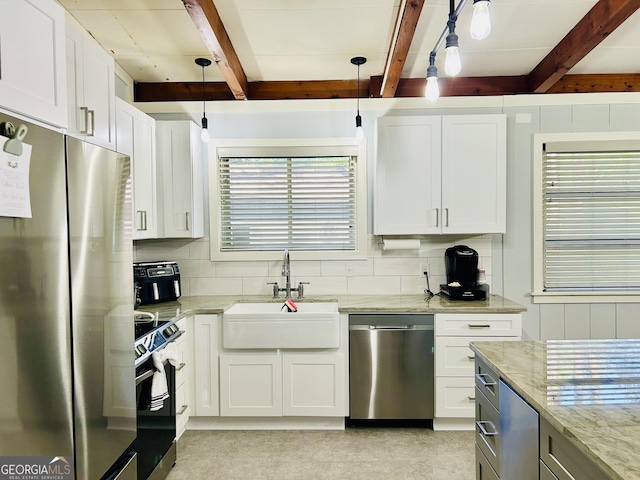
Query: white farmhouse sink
{"type": "Point", "coordinates": [267, 325]}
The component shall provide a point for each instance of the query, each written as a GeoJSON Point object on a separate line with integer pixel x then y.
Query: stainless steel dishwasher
{"type": "Point", "coordinates": [391, 366]}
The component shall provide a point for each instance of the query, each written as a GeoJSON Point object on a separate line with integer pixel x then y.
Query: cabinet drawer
{"type": "Point", "coordinates": [484, 471]}
{"type": "Point", "coordinates": [563, 458]}
{"type": "Point", "coordinates": [487, 382]}
{"type": "Point", "coordinates": [455, 397]}
{"type": "Point", "coordinates": [479, 324]}
{"type": "Point", "coordinates": [182, 409]}
{"type": "Point", "coordinates": [453, 356]}
{"type": "Point", "coordinates": [487, 435]}
{"type": "Point", "coordinates": [545, 473]}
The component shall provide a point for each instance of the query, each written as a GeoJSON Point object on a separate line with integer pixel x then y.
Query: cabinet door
{"type": "Point", "coordinates": [145, 178]}
{"type": "Point", "coordinates": [313, 385]}
{"type": "Point", "coordinates": [407, 175]}
{"type": "Point", "coordinates": [251, 385]}
{"type": "Point", "coordinates": [206, 365]}
{"type": "Point", "coordinates": [474, 173]}
{"type": "Point", "coordinates": [90, 88]}
{"type": "Point", "coordinates": [179, 156]}
{"type": "Point", "coordinates": [32, 60]}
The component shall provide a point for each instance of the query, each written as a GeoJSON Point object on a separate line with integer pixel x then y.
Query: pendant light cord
{"type": "Point", "coordinates": [203, 98]}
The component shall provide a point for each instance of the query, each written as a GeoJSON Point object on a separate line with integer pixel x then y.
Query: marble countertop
{"type": "Point", "coordinates": [588, 389]}
{"type": "Point", "coordinates": [346, 304]}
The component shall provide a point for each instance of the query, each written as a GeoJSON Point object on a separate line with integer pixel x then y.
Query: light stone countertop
{"type": "Point", "coordinates": [346, 304]}
{"type": "Point", "coordinates": [588, 389]}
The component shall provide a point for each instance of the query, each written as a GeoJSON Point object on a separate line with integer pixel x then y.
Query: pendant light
{"type": "Point", "coordinates": [204, 133]}
{"type": "Point", "coordinates": [481, 20]}
{"type": "Point", "coordinates": [432, 92]}
{"type": "Point", "coordinates": [359, 130]}
{"type": "Point", "coordinates": [452, 64]}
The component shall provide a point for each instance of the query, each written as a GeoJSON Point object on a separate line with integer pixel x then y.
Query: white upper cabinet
{"type": "Point", "coordinates": [32, 60]}
{"type": "Point", "coordinates": [136, 137]}
{"type": "Point", "coordinates": [407, 182]}
{"type": "Point", "coordinates": [440, 175]}
{"type": "Point", "coordinates": [474, 173]}
{"type": "Point", "coordinates": [179, 154]}
{"type": "Point", "coordinates": [90, 88]}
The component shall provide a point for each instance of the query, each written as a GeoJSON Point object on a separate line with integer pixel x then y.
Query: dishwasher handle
{"type": "Point", "coordinates": [391, 327]}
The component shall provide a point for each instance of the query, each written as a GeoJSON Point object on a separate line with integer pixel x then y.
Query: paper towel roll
{"type": "Point", "coordinates": [406, 244]}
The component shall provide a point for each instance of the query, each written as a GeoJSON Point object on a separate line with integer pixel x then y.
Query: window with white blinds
{"type": "Point", "coordinates": [591, 221]}
{"type": "Point", "coordinates": [295, 201]}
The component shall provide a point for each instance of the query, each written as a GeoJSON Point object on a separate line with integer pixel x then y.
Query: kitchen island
{"type": "Point", "coordinates": [588, 391]}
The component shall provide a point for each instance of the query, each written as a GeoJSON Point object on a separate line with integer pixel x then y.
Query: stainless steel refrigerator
{"type": "Point", "coordinates": [67, 380]}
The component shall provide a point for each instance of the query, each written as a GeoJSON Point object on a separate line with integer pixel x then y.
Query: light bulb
{"type": "Point", "coordinates": [481, 20]}
{"type": "Point", "coordinates": [359, 133]}
{"type": "Point", "coordinates": [452, 64]}
{"type": "Point", "coordinates": [432, 92]}
{"type": "Point", "coordinates": [204, 133]}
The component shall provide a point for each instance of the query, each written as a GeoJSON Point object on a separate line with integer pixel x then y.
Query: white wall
{"type": "Point", "coordinates": [506, 258]}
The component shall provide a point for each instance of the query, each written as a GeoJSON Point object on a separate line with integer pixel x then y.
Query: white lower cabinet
{"type": "Point", "coordinates": [454, 361]}
{"type": "Point", "coordinates": [282, 384]}
{"type": "Point", "coordinates": [205, 343]}
{"type": "Point", "coordinates": [313, 385]}
{"type": "Point", "coordinates": [251, 385]}
{"type": "Point", "coordinates": [183, 382]}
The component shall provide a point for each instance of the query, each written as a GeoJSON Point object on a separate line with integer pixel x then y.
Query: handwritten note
{"type": "Point", "coordinates": [15, 199]}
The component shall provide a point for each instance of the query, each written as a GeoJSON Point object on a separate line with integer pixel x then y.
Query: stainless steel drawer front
{"type": "Point", "coordinates": [484, 471]}
{"type": "Point", "coordinates": [487, 382]}
{"type": "Point", "coordinates": [487, 434]}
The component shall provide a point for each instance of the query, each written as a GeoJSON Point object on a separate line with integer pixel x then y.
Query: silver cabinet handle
{"type": "Point", "coordinates": [484, 325]}
{"type": "Point", "coordinates": [187, 219]}
{"type": "Point", "coordinates": [92, 113]}
{"type": "Point", "coordinates": [85, 131]}
{"type": "Point", "coordinates": [446, 211]}
{"type": "Point", "coordinates": [471, 357]}
{"type": "Point", "coordinates": [437, 217]}
{"type": "Point", "coordinates": [471, 399]}
{"type": "Point", "coordinates": [480, 377]}
{"type": "Point", "coordinates": [182, 410]}
{"type": "Point", "coordinates": [180, 367]}
{"type": "Point", "coordinates": [481, 425]}
{"type": "Point", "coordinates": [144, 213]}
{"type": "Point", "coordinates": [143, 220]}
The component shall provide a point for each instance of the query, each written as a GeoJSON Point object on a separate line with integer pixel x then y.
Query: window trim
{"type": "Point", "coordinates": [289, 144]}
{"type": "Point", "coordinates": [572, 142]}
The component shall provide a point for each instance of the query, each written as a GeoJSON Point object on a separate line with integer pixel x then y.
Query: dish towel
{"type": "Point", "coordinates": [159, 389]}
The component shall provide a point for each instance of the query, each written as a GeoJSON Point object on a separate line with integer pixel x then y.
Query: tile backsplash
{"type": "Point", "coordinates": [382, 272]}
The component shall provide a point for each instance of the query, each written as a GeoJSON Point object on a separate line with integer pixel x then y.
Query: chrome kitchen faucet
{"type": "Point", "coordinates": [286, 273]}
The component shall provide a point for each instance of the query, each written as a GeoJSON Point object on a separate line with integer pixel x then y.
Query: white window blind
{"type": "Point", "coordinates": [591, 216]}
{"type": "Point", "coordinates": [295, 202]}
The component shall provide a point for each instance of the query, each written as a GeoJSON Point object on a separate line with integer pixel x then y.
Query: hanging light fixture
{"type": "Point", "coordinates": [204, 133]}
{"type": "Point", "coordinates": [481, 20]}
{"type": "Point", "coordinates": [359, 130]}
{"type": "Point", "coordinates": [433, 90]}
{"type": "Point", "coordinates": [452, 64]}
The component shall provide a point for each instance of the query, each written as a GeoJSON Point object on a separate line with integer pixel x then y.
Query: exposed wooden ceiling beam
{"type": "Point", "coordinates": [205, 16]}
{"type": "Point", "coordinates": [412, 87]}
{"type": "Point", "coordinates": [408, 15]}
{"type": "Point", "coordinates": [595, 26]}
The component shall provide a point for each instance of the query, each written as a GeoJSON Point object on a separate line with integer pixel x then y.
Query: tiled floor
{"type": "Point", "coordinates": [355, 453]}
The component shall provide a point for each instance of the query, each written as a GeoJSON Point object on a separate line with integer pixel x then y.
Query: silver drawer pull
{"type": "Point", "coordinates": [183, 409]}
{"type": "Point", "coordinates": [480, 377]}
{"type": "Point", "coordinates": [484, 325]}
{"type": "Point", "coordinates": [484, 431]}
{"type": "Point", "coordinates": [180, 367]}
{"type": "Point", "coordinates": [471, 357]}
{"type": "Point", "coordinates": [471, 399]}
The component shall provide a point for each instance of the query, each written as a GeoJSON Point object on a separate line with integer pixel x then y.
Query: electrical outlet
{"type": "Point", "coordinates": [424, 267]}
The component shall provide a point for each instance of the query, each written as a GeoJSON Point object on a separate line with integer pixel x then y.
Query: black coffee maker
{"type": "Point", "coordinates": [461, 266]}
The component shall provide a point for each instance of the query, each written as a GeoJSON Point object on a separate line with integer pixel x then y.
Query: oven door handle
{"type": "Point", "coordinates": [148, 374]}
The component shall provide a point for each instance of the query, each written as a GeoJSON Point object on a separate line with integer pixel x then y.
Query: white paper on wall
{"type": "Point", "coordinates": [15, 198]}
